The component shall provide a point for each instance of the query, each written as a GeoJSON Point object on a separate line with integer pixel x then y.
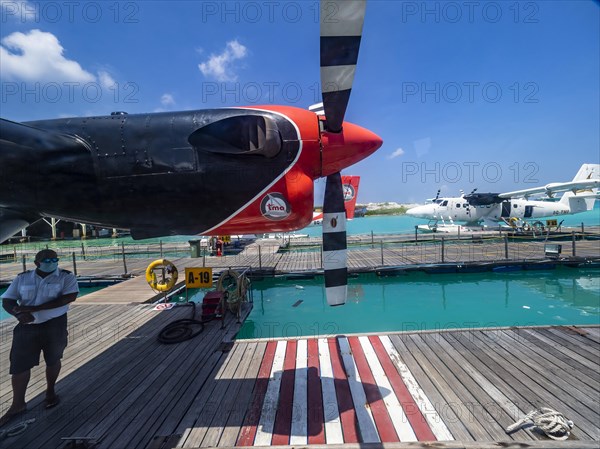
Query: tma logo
{"type": "Point", "coordinates": [274, 206]}
{"type": "Point", "coordinates": [348, 192]}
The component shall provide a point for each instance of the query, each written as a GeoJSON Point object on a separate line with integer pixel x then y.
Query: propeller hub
{"type": "Point", "coordinates": [351, 145]}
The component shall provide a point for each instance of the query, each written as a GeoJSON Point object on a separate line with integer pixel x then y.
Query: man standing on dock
{"type": "Point", "coordinates": [39, 299]}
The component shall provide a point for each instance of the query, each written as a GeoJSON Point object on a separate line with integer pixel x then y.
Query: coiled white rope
{"type": "Point", "coordinates": [16, 430]}
{"type": "Point", "coordinates": [554, 424]}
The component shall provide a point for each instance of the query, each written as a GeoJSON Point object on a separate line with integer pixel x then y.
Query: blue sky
{"type": "Point", "coordinates": [495, 95]}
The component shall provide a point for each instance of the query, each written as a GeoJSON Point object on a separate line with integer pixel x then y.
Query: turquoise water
{"type": "Point", "coordinates": [82, 292]}
{"type": "Point", "coordinates": [419, 301]}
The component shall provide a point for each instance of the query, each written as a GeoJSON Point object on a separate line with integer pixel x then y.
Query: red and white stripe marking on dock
{"type": "Point", "coordinates": [337, 390]}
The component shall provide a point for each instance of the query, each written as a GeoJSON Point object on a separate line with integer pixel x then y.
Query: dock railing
{"type": "Point", "coordinates": [271, 256]}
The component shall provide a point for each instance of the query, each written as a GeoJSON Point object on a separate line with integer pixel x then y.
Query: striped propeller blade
{"type": "Point", "coordinates": [334, 242]}
{"type": "Point", "coordinates": [341, 30]}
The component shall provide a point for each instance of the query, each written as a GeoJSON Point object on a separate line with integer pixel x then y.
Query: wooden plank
{"type": "Point", "coordinates": [511, 409]}
{"type": "Point", "coordinates": [488, 364]}
{"type": "Point", "coordinates": [548, 444]}
{"type": "Point", "coordinates": [544, 392]}
{"type": "Point", "coordinates": [587, 375]}
{"type": "Point", "coordinates": [550, 374]}
{"type": "Point", "coordinates": [448, 387]}
{"type": "Point", "coordinates": [207, 396]}
{"type": "Point", "coordinates": [432, 399]}
{"type": "Point", "coordinates": [413, 400]}
{"type": "Point", "coordinates": [399, 419]}
{"type": "Point", "coordinates": [316, 417]}
{"type": "Point", "coordinates": [283, 415]}
{"type": "Point", "coordinates": [345, 405]}
{"type": "Point", "coordinates": [541, 335]}
{"type": "Point", "coordinates": [385, 426]}
{"type": "Point", "coordinates": [364, 415]}
{"type": "Point", "coordinates": [299, 429]}
{"type": "Point", "coordinates": [150, 396]}
{"type": "Point", "coordinates": [593, 333]}
{"type": "Point", "coordinates": [200, 371]}
{"type": "Point", "coordinates": [234, 402]}
{"type": "Point", "coordinates": [264, 432]}
{"type": "Point", "coordinates": [577, 343]}
{"type": "Point", "coordinates": [241, 404]}
{"type": "Point", "coordinates": [333, 426]}
{"type": "Point", "coordinates": [248, 432]}
{"type": "Point", "coordinates": [472, 398]}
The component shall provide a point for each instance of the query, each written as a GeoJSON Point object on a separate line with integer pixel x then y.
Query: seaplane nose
{"type": "Point", "coordinates": [353, 144]}
{"type": "Point", "coordinates": [418, 212]}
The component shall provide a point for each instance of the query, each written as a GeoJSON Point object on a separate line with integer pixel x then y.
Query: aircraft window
{"type": "Point", "coordinates": [243, 134]}
{"type": "Point", "coordinates": [457, 204]}
{"type": "Point", "coordinates": [445, 203]}
{"type": "Point", "coordinates": [515, 206]}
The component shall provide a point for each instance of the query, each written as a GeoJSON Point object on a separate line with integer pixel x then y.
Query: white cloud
{"type": "Point", "coordinates": [38, 56]}
{"type": "Point", "coordinates": [167, 100]}
{"type": "Point", "coordinates": [220, 66]}
{"type": "Point", "coordinates": [399, 152]}
{"type": "Point", "coordinates": [106, 81]}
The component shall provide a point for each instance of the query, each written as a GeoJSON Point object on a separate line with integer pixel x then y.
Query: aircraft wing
{"type": "Point", "coordinates": [555, 187]}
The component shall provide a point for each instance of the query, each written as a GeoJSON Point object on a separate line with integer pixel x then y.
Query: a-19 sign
{"type": "Point", "coordinates": [198, 277]}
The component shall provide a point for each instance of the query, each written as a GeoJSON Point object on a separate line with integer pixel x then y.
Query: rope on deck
{"type": "Point", "coordinates": [554, 424]}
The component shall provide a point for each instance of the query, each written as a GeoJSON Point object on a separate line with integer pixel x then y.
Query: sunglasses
{"type": "Point", "coordinates": [50, 259]}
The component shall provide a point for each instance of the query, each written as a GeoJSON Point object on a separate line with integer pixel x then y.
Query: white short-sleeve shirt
{"type": "Point", "coordinates": [30, 289]}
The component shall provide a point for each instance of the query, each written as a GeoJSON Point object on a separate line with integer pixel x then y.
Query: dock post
{"type": "Point", "coordinates": [321, 251]}
{"type": "Point", "coordinates": [573, 242]}
{"type": "Point", "coordinates": [24, 267]}
{"type": "Point", "coordinates": [74, 264]}
{"type": "Point", "coordinates": [416, 234]}
{"type": "Point", "coordinates": [124, 262]}
{"type": "Point", "coordinates": [443, 248]}
{"type": "Point", "coordinates": [161, 249]}
{"type": "Point", "coordinates": [506, 247]}
{"type": "Point", "coordinates": [259, 258]}
{"type": "Point", "coordinates": [83, 250]}
{"type": "Point", "coordinates": [372, 241]}
{"type": "Point", "coordinates": [382, 263]}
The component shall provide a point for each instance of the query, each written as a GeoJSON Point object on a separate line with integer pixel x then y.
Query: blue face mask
{"type": "Point", "coordinates": [48, 267]}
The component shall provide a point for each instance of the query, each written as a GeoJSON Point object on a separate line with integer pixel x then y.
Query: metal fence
{"type": "Point", "coordinates": [284, 255]}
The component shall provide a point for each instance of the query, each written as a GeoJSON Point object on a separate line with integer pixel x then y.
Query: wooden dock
{"type": "Point", "coordinates": [268, 257]}
{"type": "Point", "coordinates": [461, 388]}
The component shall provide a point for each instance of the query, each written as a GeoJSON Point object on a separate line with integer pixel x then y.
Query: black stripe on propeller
{"type": "Point", "coordinates": [334, 242]}
{"type": "Point", "coordinates": [341, 30]}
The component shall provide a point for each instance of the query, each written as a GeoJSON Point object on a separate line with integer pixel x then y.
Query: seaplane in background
{"type": "Point", "coordinates": [203, 172]}
{"type": "Point", "coordinates": [512, 208]}
{"type": "Point", "coordinates": [350, 188]}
